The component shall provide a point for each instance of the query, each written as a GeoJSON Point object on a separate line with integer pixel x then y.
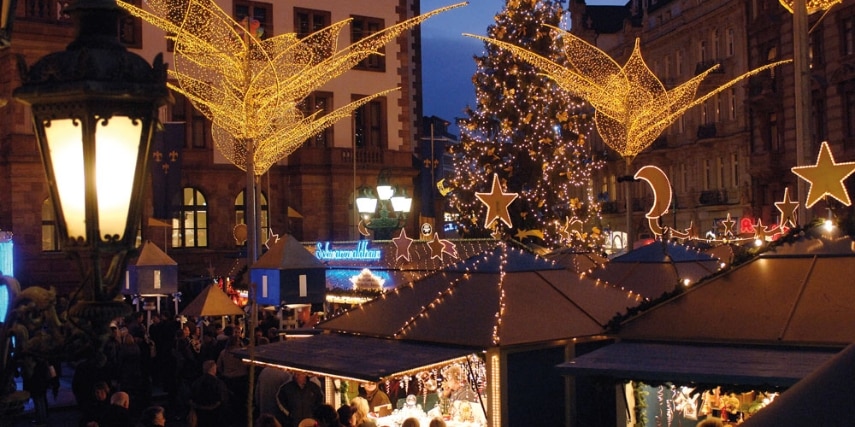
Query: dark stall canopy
{"type": "Point", "coordinates": [354, 357]}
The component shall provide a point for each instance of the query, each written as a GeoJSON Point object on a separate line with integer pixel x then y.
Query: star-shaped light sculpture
{"type": "Point", "coordinates": [727, 226]}
{"type": "Point", "coordinates": [761, 232]}
{"type": "Point", "coordinates": [402, 246]}
{"type": "Point", "coordinates": [826, 177]}
{"type": "Point", "coordinates": [787, 208]}
{"type": "Point", "coordinates": [448, 247]}
{"type": "Point", "coordinates": [436, 247]}
{"type": "Point", "coordinates": [497, 202]}
{"type": "Point", "coordinates": [632, 106]}
{"type": "Point", "coordinates": [272, 238]}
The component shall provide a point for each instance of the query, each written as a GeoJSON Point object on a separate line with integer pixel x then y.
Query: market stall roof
{"type": "Point", "coordinates": [577, 261]}
{"type": "Point", "coordinates": [823, 398]}
{"type": "Point", "coordinates": [354, 357]}
{"type": "Point", "coordinates": [502, 297]}
{"type": "Point", "coordinates": [657, 268]}
{"type": "Point", "coordinates": [657, 362]}
{"type": "Point", "coordinates": [212, 302]}
{"type": "Point", "coordinates": [288, 254]}
{"type": "Point", "coordinates": [799, 293]}
{"type": "Point", "coordinates": [152, 255]}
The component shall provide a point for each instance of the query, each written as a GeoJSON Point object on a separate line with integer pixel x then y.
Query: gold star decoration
{"type": "Point", "coordinates": [727, 226]}
{"type": "Point", "coordinates": [402, 246]}
{"type": "Point", "coordinates": [760, 231]}
{"type": "Point", "coordinates": [272, 238]}
{"type": "Point", "coordinates": [449, 248]}
{"type": "Point", "coordinates": [522, 234]}
{"type": "Point", "coordinates": [497, 202]}
{"type": "Point", "coordinates": [787, 208]}
{"type": "Point", "coordinates": [826, 177]}
{"type": "Point", "coordinates": [437, 247]}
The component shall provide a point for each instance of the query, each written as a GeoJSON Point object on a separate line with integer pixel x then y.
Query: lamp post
{"type": "Point", "coordinates": [387, 196]}
{"type": "Point", "coordinates": [94, 108]}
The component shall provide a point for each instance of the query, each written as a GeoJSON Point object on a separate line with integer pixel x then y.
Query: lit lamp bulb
{"type": "Point", "coordinates": [828, 225]}
{"type": "Point", "coordinates": [758, 242]}
{"type": "Point", "coordinates": [687, 282]}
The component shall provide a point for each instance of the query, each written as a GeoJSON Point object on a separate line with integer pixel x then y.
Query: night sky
{"type": "Point", "coordinates": [447, 55]}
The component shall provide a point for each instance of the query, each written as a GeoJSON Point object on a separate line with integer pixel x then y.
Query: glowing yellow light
{"type": "Point", "coordinates": [812, 5]}
{"type": "Point", "coordinates": [826, 177]}
{"type": "Point", "coordinates": [251, 89]}
{"type": "Point", "coordinates": [632, 105]}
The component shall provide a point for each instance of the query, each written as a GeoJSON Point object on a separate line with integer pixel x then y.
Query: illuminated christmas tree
{"type": "Point", "coordinates": [530, 133]}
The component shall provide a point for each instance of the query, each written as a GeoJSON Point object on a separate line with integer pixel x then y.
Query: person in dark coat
{"type": "Point", "coordinates": [117, 414]}
{"type": "Point", "coordinates": [299, 398]}
{"type": "Point", "coordinates": [210, 397]}
{"type": "Point", "coordinates": [37, 381]}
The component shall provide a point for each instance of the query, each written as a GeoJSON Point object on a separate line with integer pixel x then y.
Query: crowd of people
{"type": "Point", "coordinates": [205, 383]}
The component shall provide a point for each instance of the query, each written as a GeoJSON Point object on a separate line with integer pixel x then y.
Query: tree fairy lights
{"type": "Point", "coordinates": [526, 131]}
{"type": "Point", "coordinates": [251, 88]}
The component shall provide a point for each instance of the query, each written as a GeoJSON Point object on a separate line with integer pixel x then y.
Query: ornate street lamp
{"type": "Point", "coordinates": [380, 221]}
{"type": "Point", "coordinates": [95, 109]}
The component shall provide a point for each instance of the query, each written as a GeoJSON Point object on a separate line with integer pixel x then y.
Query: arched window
{"type": "Point", "coordinates": [190, 229]}
{"type": "Point", "coordinates": [240, 214]}
{"type": "Point", "coordinates": [50, 236]}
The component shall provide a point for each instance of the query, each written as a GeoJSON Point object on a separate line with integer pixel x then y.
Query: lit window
{"type": "Point", "coordinates": [361, 27]}
{"type": "Point", "coordinates": [190, 229]}
{"type": "Point", "coordinates": [240, 214]}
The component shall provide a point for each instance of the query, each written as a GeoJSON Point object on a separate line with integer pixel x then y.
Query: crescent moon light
{"type": "Point", "coordinates": [362, 230]}
{"type": "Point", "coordinates": [661, 187]}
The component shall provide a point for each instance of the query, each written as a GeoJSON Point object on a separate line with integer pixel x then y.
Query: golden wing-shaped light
{"type": "Point", "coordinates": [632, 105]}
{"type": "Point", "coordinates": [251, 89]}
{"type": "Point", "coordinates": [812, 5]}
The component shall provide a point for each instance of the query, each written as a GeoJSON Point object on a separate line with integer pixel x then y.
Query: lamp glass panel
{"type": "Point", "coordinates": [399, 204]}
{"type": "Point", "coordinates": [385, 192]}
{"type": "Point", "coordinates": [65, 149]}
{"type": "Point", "coordinates": [117, 143]}
{"type": "Point", "coordinates": [366, 205]}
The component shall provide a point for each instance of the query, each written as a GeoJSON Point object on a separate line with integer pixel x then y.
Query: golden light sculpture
{"type": "Point", "coordinates": [251, 89]}
{"type": "Point", "coordinates": [632, 105]}
{"type": "Point", "coordinates": [813, 6]}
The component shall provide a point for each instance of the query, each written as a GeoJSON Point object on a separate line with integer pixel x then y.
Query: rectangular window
{"type": "Point", "coordinates": [715, 44]}
{"type": "Point", "coordinates": [734, 170]}
{"type": "Point", "coordinates": [307, 21]}
{"type": "Point", "coordinates": [258, 11]}
{"type": "Point", "coordinates": [719, 166]}
{"type": "Point", "coordinates": [684, 177]}
{"type": "Point", "coordinates": [707, 174]}
{"type": "Point", "coordinates": [815, 48]}
{"type": "Point", "coordinates": [678, 63]}
{"type": "Point", "coordinates": [361, 27]}
{"type": "Point", "coordinates": [319, 102]}
{"type": "Point", "coordinates": [130, 28]}
{"type": "Point", "coordinates": [848, 35]}
{"type": "Point", "coordinates": [819, 117]}
{"type": "Point", "coordinates": [849, 111]}
{"type": "Point", "coordinates": [731, 42]}
{"type": "Point", "coordinates": [369, 125]}
{"type": "Point", "coordinates": [717, 107]}
{"type": "Point", "coordinates": [200, 129]}
{"type": "Point", "coordinates": [732, 107]}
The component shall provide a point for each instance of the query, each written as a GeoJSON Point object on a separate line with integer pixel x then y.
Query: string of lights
{"type": "Point", "coordinates": [250, 84]}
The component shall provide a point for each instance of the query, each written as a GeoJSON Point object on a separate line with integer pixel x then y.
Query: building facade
{"type": "Point", "coordinates": [731, 155]}
{"type": "Point", "coordinates": [309, 194]}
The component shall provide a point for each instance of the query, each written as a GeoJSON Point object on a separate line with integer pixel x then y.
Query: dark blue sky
{"type": "Point", "coordinates": [447, 55]}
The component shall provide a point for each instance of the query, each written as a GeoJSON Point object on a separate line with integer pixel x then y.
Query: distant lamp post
{"type": "Point", "coordinates": [95, 110]}
{"type": "Point", "coordinates": [381, 222]}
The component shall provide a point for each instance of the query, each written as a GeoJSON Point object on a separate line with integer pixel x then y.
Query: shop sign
{"type": "Point", "coordinates": [361, 252]}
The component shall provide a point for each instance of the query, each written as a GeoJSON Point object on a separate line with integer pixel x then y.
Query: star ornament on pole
{"type": "Point", "coordinates": [826, 177]}
{"type": "Point", "coordinates": [787, 208]}
{"type": "Point", "coordinates": [497, 202]}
